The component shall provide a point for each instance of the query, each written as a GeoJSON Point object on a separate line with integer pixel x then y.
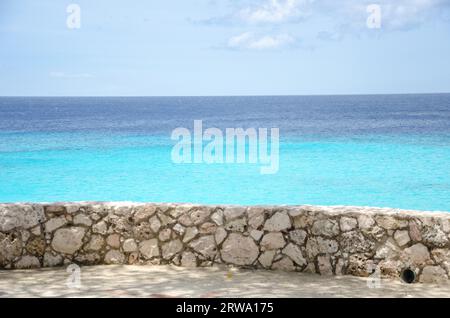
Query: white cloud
{"type": "Point", "coordinates": [240, 39]}
{"type": "Point", "coordinates": [335, 19]}
{"type": "Point", "coordinates": [408, 13]}
{"type": "Point", "coordinates": [395, 14]}
{"type": "Point", "coordinates": [58, 74]}
{"type": "Point", "coordinates": [248, 40]}
{"type": "Point", "coordinates": [275, 11]}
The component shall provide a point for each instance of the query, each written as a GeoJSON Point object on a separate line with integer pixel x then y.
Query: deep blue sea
{"type": "Point", "coordinates": [380, 150]}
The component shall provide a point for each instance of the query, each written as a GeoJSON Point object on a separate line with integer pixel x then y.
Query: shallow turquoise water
{"type": "Point", "coordinates": [386, 172]}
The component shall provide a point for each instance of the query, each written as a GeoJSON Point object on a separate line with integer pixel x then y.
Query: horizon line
{"type": "Point", "coordinates": [256, 95]}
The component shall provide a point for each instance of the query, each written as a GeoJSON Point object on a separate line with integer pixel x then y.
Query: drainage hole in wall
{"type": "Point", "coordinates": [408, 276]}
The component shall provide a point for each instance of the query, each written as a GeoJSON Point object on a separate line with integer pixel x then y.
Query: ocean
{"type": "Point", "coordinates": [365, 150]}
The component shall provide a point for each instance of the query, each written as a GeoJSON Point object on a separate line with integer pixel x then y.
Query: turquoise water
{"type": "Point", "coordinates": [408, 170]}
{"type": "Point", "coordinates": [376, 173]}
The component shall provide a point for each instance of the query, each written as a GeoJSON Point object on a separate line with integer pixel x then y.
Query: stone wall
{"type": "Point", "coordinates": [326, 240]}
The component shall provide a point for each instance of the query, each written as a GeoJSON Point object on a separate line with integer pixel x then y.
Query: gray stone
{"type": "Point", "coordinates": [143, 213]}
{"type": "Point", "coordinates": [179, 229]}
{"type": "Point", "coordinates": [81, 219]}
{"type": "Point", "coordinates": [55, 223]}
{"type": "Point", "coordinates": [433, 235]}
{"type": "Point", "coordinates": [10, 248]}
{"type": "Point", "coordinates": [310, 268]}
{"type": "Point", "coordinates": [390, 268]}
{"type": "Point", "coordinates": [100, 227]}
{"type": "Point", "coordinates": [72, 208]}
{"type": "Point", "coordinates": [89, 258]}
{"type": "Point", "coordinates": [388, 250]}
{"type": "Point", "coordinates": [365, 222]}
{"type": "Point", "coordinates": [324, 264]}
{"type": "Point", "coordinates": [354, 242]}
{"type": "Point", "coordinates": [20, 216]}
{"type": "Point", "coordinates": [217, 217]}
{"type": "Point", "coordinates": [36, 246]}
{"type": "Point", "coordinates": [390, 222]}
{"type": "Point", "coordinates": [255, 217]}
{"type": "Point", "coordinates": [171, 248]}
{"type": "Point", "coordinates": [239, 250]}
{"type": "Point", "coordinates": [220, 235]}
{"type": "Point", "coordinates": [113, 240]}
{"type": "Point", "coordinates": [238, 225]}
{"type": "Point", "coordinates": [294, 211]}
{"type": "Point", "coordinates": [340, 267]}
{"type": "Point", "coordinates": [280, 221]}
{"type": "Point", "coordinates": [285, 264]}
{"type": "Point", "coordinates": [415, 231]}
{"type": "Point", "coordinates": [129, 245]}
{"type": "Point", "coordinates": [164, 235]}
{"type": "Point", "coordinates": [359, 265]}
{"type": "Point", "coordinates": [256, 235]}
{"type": "Point", "coordinates": [180, 210]}
{"type": "Point", "coordinates": [402, 237]}
{"type": "Point", "coordinates": [199, 215]}
{"type": "Point", "coordinates": [255, 211]}
{"type": "Point", "coordinates": [256, 222]}
{"type": "Point", "coordinates": [231, 213]}
{"type": "Point", "coordinates": [416, 255]}
{"type": "Point", "coordinates": [325, 227]}
{"type": "Point", "coordinates": [114, 257]}
{"type": "Point", "coordinates": [191, 232]}
{"type": "Point", "coordinates": [96, 243]}
{"type": "Point", "coordinates": [298, 236]}
{"type": "Point", "coordinates": [55, 209]}
{"type": "Point", "coordinates": [205, 245]}
{"type": "Point", "coordinates": [319, 245]}
{"type": "Point", "coordinates": [348, 223]}
{"type": "Point", "coordinates": [36, 230]}
{"type": "Point", "coordinates": [143, 231]}
{"type": "Point", "coordinates": [303, 221]}
{"type": "Point", "coordinates": [28, 262]}
{"type": "Point", "coordinates": [207, 228]}
{"type": "Point", "coordinates": [441, 255]}
{"type": "Point", "coordinates": [68, 240]}
{"type": "Point", "coordinates": [188, 259]}
{"type": "Point", "coordinates": [294, 254]}
{"type": "Point", "coordinates": [25, 235]}
{"type": "Point", "coordinates": [51, 260]}
{"type": "Point", "coordinates": [272, 241]}
{"type": "Point", "coordinates": [445, 225]}
{"type": "Point", "coordinates": [133, 258]}
{"type": "Point", "coordinates": [122, 209]}
{"type": "Point", "coordinates": [185, 220]}
{"type": "Point", "coordinates": [165, 219]}
{"type": "Point", "coordinates": [433, 274]}
{"type": "Point", "coordinates": [149, 248]}
{"type": "Point", "coordinates": [376, 232]}
{"type": "Point", "coordinates": [155, 224]}
{"type": "Point", "coordinates": [266, 258]}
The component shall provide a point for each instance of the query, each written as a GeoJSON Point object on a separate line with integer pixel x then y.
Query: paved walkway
{"type": "Point", "coordinates": [171, 281]}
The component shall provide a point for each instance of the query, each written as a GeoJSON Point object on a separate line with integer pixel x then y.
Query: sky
{"type": "Point", "coordinates": [223, 47]}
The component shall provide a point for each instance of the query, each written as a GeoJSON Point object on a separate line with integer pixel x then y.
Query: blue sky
{"type": "Point", "coordinates": [223, 47]}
